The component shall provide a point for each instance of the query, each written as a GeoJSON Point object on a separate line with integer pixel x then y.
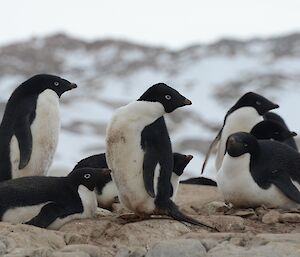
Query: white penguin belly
{"type": "Point", "coordinates": [241, 120]}
{"type": "Point", "coordinates": [125, 156]}
{"type": "Point", "coordinates": [108, 195]}
{"type": "Point", "coordinates": [45, 130]}
{"type": "Point", "coordinates": [89, 203]}
{"type": "Point", "coordinates": [127, 171]}
{"type": "Point", "coordinates": [238, 187]}
{"type": "Point", "coordinates": [22, 214]}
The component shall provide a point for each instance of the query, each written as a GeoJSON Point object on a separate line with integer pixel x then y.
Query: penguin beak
{"type": "Point", "coordinates": [189, 157]}
{"type": "Point", "coordinates": [72, 86]}
{"type": "Point", "coordinates": [187, 101]}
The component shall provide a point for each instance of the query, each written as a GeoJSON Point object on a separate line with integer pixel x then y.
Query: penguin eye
{"type": "Point", "coordinates": [276, 133]}
{"type": "Point", "coordinates": [258, 102]}
{"type": "Point", "coordinates": [246, 145]}
{"type": "Point", "coordinates": [87, 176]}
{"type": "Point", "coordinates": [56, 83]}
{"type": "Point", "coordinates": [168, 97]}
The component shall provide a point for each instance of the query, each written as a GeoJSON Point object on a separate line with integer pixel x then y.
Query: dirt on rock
{"type": "Point", "coordinates": [242, 232]}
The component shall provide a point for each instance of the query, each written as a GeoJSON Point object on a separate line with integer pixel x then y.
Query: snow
{"type": "Point", "coordinates": [198, 73]}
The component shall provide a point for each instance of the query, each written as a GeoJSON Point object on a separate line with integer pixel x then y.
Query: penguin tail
{"type": "Point", "coordinates": [176, 214]}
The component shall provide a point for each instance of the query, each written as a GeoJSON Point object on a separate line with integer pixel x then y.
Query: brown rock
{"type": "Point", "coordinates": [290, 217]}
{"type": "Point", "coordinates": [271, 217]}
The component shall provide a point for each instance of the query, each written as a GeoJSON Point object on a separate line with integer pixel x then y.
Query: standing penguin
{"type": "Point", "coordinates": [106, 190]}
{"type": "Point", "coordinates": [30, 126]}
{"type": "Point", "coordinates": [133, 154]}
{"type": "Point", "coordinates": [50, 202]}
{"type": "Point", "coordinates": [243, 116]}
{"type": "Point", "coordinates": [259, 172]}
{"type": "Point", "coordinates": [277, 118]}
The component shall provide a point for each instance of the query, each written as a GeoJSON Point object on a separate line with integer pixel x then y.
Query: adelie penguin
{"type": "Point", "coordinates": [106, 190]}
{"type": "Point", "coordinates": [50, 202]}
{"type": "Point", "coordinates": [277, 118]}
{"type": "Point", "coordinates": [133, 154]}
{"type": "Point", "coordinates": [266, 129]}
{"type": "Point", "coordinates": [30, 126]}
{"type": "Point", "coordinates": [243, 116]}
{"type": "Point", "coordinates": [259, 172]}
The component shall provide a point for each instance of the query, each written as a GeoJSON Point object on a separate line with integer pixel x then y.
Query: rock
{"type": "Point", "coordinates": [290, 217]}
{"type": "Point", "coordinates": [271, 249]}
{"type": "Point", "coordinates": [71, 254]}
{"type": "Point", "coordinates": [91, 250]}
{"type": "Point", "coordinates": [227, 223]}
{"type": "Point", "coordinates": [214, 207]}
{"type": "Point", "coordinates": [131, 252]}
{"type": "Point", "coordinates": [177, 248]}
{"type": "Point", "coordinates": [32, 252]}
{"type": "Point", "coordinates": [245, 213]}
{"type": "Point", "coordinates": [271, 217]}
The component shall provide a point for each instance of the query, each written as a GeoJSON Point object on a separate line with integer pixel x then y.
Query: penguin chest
{"type": "Point", "coordinates": [107, 196]}
{"type": "Point", "coordinates": [45, 130]}
{"type": "Point", "coordinates": [89, 203]}
{"type": "Point", "coordinates": [241, 120]}
{"type": "Point", "coordinates": [125, 158]}
{"type": "Point", "coordinates": [238, 186]}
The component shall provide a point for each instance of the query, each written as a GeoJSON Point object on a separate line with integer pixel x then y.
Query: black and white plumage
{"type": "Point", "coordinates": [259, 172]}
{"type": "Point", "coordinates": [277, 118]}
{"type": "Point", "coordinates": [133, 154]}
{"type": "Point", "coordinates": [30, 126]}
{"type": "Point", "coordinates": [49, 202]}
{"type": "Point", "coordinates": [243, 116]}
{"type": "Point", "coordinates": [266, 129]}
{"type": "Point", "coordinates": [106, 190]}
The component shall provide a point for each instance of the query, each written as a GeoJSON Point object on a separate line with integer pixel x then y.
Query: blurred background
{"type": "Point", "coordinates": [211, 51]}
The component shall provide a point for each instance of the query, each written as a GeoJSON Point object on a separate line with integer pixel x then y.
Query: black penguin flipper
{"type": "Point", "coordinates": [24, 137]}
{"type": "Point", "coordinates": [50, 212]}
{"type": "Point", "coordinates": [212, 146]}
{"type": "Point", "coordinates": [149, 165]}
{"type": "Point", "coordinates": [286, 186]}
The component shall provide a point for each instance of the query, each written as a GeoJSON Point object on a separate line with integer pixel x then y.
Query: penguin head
{"type": "Point", "coordinates": [270, 129]}
{"type": "Point", "coordinates": [258, 102]}
{"type": "Point", "coordinates": [41, 82]}
{"type": "Point", "coordinates": [88, 177]}
{"type": "Point", "coordinates": [170, 98]}
{"type": "Point", "coordinates": [180, 162]}
{"type": "Point", "coordinates": [240, 143]}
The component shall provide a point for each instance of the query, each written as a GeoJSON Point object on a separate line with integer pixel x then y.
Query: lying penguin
{"type": "Point", "coordinates": [30, 126]}
{"type": "Point", "coordinates": [50, 202]}
{"type": "Point", "coordinates": [277, 118]}
{"type": "Point", "coordinates": [106, 190]}
{"type": "Point", "coordinates": [243, 116]}
{"type": "Point", "coordinates": [259, 172]}
{"type": "Point", "coordinates": [266, 129]}
{"type": "Point", "coordinates": [133, 153]}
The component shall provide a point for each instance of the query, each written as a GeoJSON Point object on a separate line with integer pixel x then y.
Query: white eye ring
{"type": "Point", "coordinates": [56, 83]}
{"type": "Point", "coordinates": [87, 176]}
{"type": "Point", "coordinates": [168, 97]}
{"type": "Point", "coordinates": [258, 102]}
{"type": "Point", "coordinates": [246, 145]}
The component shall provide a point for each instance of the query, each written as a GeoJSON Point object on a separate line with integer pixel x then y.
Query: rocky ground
{"type": "Point", "coordinates": [250, 232]}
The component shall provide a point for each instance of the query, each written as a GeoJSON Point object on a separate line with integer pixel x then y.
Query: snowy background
{"type": "Point", "coordinates": [111, 73]}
